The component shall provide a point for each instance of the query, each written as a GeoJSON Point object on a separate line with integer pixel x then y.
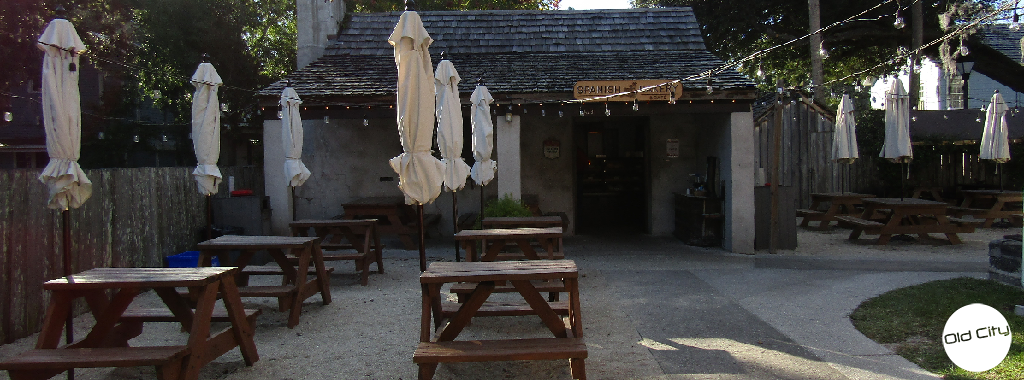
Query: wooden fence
{"type": "Point", "coordinates": [134, 218]}
{"type": "Point", "coordinates": [805, 160]}
{"type": "Point", "coordinates": [805, 155]}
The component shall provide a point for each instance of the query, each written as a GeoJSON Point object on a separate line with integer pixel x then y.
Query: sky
{"type": "Point", "coordinates": [594, 4]}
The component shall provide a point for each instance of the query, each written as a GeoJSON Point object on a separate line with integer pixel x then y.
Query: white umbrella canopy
{"type": "Point", "coordinates": [897, 125]}
{"type": "Point", "coordinates": [995, 143]}
{"type": "Point", "coordinates": [483, 135]}
{"type": "Point", "coordinates": [62, 116]}
{"type": "Point", "coordinates": [449, 125]}
{"type": "Point", "coordinates": [206, 128]}
{"type": "Point", "coordinates": [291, 136]}
{"type": "Point", "coordinates": [844, 138]}
{"type": "Point", "coordinates": [420, 174]}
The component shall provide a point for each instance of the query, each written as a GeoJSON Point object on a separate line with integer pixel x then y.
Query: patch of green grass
{"type": "Point", "coordinates": [910, 321]}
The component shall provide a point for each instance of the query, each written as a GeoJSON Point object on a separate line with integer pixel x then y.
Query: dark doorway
{"type": "Point", "coordinates": [611, 175]}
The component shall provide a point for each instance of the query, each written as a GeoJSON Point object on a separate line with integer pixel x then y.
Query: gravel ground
{"type": "Point", "coordinates": [370, 332]}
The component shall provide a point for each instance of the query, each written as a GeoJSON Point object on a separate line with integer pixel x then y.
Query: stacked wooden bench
{"type": "Point", "coordinates": [573, 349]}
{"type": "Point", "coordinates": [45, 363]}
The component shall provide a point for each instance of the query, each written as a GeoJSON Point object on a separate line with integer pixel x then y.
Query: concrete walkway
{"type": "Point", "coordinates": [706, 314]}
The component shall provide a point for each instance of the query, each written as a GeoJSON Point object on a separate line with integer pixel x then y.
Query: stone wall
{"type": "Point", "coordinates": [1004, 256]}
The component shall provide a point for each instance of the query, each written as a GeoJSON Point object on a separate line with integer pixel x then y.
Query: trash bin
{"type": "Point", "coordinates": [187, 259]}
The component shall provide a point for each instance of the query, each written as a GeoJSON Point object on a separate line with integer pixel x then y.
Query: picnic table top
{"type": "Point", "coordinates": [512, 233]}
{"type": "Point", "coordinates": [385, 200]}
{"type": "Point", "coordinates": [842, 195]}
{"type": "Point", "coordinates": [521, 219]}
{"type": "Point", "coordinates": [139, 277]}
{"type": "Point", "coordinates": [903, 202]}
{"type": "Point", "coordinates": [476, 271]}
{"type": "Point", "coordinates": [994, 192]}
{"type": "Point", "coordinates": [330, 222]}
{"type": "Point", "coordinates": [243, 241]}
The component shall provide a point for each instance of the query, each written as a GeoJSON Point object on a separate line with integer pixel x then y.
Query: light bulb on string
{"type": "Point", "coordinates": [8, 116]}
{"type": "Point", "coordinates": [1015, 25]}
{"type": "Point", "coordinates": [711, 89]}
{"type": "Point", "coordinates": [636, 106]}
{"type": "Point", "coordinates": [560, 114]}
{"type": "Point", "coordinates": [672, 96]}
{"type": "Point", "coordinates": [366, 121]}
{"type": "Point", "coordinates": [823, 51]}
{"type": "Point", "coordinates": [899, 23]}
{"type": "Point", "coordinates": [280, 115]}
{"type": "Point", "coordinates": [607, 112]}
{"type": "Point", "coordinates": [963, 47]}
{"type": "Point", "coordinates": [581, 109]}
{"type": "Point", "coordinates": [759, 73]}
{"type": "Point", "coordinates": [327, 119]}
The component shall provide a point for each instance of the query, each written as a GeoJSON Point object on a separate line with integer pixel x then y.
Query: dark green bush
{"type": "Point", "coordinates": [506, 206]}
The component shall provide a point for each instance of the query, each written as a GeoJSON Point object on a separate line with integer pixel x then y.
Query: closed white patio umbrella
{"type": "Point", "coordinates": [420, 175]}
{"type": "Point", "coordinates": [995, 144]}
{"type": "Point", "coordinates": [897, 125]}
{"type": "Point", "coordinates": [897, 147]}
{"type": "Point", "coordinates": [844, 137]}
{"type": "Point", "coordinates": [206, 128]}
{"type": "Point", "coordinates": [62, 116]}
{"type": "Point", "coordinates": [450, 138]}
{"type": "Point", "coordinates": [62, 121]}
{"type": "Point", "coordinates": [295, 172]}
{"type": "Point", "coordinates": [449, 126]}
{"type": "Point", "coordinates": [483, 136]}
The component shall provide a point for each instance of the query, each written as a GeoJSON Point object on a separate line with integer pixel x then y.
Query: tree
{"type": "Point", "coordinates": [734, 29]}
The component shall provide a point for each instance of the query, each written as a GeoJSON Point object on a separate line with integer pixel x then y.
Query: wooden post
{"type": "Point", "coordinates": [776, 150]}
{"type": "Point", "coordinates": [455, 223]}
{"type": "Point", "coordinates": [817, 67]}
{"type": "Point", "coordinates": [69, 329]}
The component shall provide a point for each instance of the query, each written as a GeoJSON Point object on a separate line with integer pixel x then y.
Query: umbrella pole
{"type": "Point", "coordinates": [455, 223]}
{"type": "Point", "coordinates": [291, 197]}
{"type": "Point", "coordinates": [209, 218]}
{"type": "Point", "coordinates": [423, 250]}
{"type": "Point", "coordinates": [69, 330]}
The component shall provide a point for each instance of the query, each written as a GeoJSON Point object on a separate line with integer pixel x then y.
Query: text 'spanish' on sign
{"type": "Point", "coordinates": [660, 89]}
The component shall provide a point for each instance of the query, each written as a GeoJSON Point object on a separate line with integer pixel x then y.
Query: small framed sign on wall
{"type": "Point", "coordinates": [672, 148]}
{"type": "Point", "coordinates": [552, 148]}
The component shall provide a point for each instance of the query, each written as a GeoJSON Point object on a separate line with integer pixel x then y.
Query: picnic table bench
{"type": "Point", "coordinates": [890, 216]}
{"type": "Point", "coordinates": [343, 240]}
{"type": "Point", "coordinates": [839, 204]}
{"type": "Point", "coordinates": [296, 286]}
{"type": "Point", "coordinates": [106, 345]}
{"type": "Point", "coordinates": [437, 339]}
{"type": "Point", "coordinates": [994, 205]}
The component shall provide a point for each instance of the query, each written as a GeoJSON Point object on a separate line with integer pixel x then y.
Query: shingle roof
{"type": "Point", "coordinates": [471, 32]}
{"type": "Point", "coordinates": [520, 52]}
{"type": "Point", "coordinates": [1003, 40]}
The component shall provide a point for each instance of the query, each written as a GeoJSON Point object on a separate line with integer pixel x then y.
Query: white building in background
{"type": "Point", "coordinates": [940, 91]}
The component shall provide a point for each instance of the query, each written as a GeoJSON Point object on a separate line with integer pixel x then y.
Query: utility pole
{"type": "Point", "coordinates": [817, 69]}
{"type": "Point", "coordinates": [917, 24]}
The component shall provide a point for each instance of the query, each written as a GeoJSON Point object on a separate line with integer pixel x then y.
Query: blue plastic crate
{"type": "Point", "coordinates": [187, 259]}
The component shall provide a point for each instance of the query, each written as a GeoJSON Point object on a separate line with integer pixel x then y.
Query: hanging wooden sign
{"type": "Point", "coordinates": [660, 89]}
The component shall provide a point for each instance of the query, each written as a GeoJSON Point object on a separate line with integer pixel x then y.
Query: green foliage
{"type": "Point", "coordinates": [912, 319]}
{"type": "Point", "coordinates": [734, 29]}
{"type": "Point", "coordinates": [506, 207]}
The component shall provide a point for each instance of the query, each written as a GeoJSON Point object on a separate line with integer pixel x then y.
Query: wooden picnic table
{"type": "Point", "coordinates": [394, 217]}
{"type": "Point", "coordinates": [355, 240]}
{"type": "Point", "coordinates": [295, 287]}
{"type": "Point", "coordinates": [994, 205]}
{"type": "Point", "coordinates": [495, 239]}
{"type": "Point", "coordinates": [567, 342]}
{"type": "Point", "coordinates": [106, 345]}
{"type": "Point", "coordinates": [839, 204]}
{"type": "Point", "coordinates": [890, 216]}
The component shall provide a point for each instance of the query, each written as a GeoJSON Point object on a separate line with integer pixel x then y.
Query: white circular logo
{"type": "Point", "coordinates": [976, 337]}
